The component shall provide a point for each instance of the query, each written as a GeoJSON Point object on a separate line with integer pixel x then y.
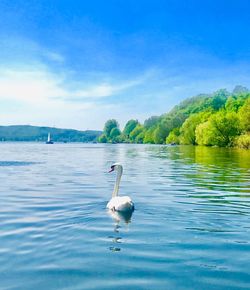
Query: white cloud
{"type": "Point", "coordinates": [45, 98]}
{"type": "Point", "coordinates": [41, 85]}
{"type": "Point", "coordinates": [30, 86]}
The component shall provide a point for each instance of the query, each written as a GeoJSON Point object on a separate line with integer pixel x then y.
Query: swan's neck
{"type": "Point", "coordinates": [117, 182]}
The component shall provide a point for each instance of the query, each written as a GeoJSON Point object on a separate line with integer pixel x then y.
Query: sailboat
{"type": "Point", "coordinates": [49, 141]}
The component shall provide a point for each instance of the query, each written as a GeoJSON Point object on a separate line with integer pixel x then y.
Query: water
{"type": "Point", "coordinates": [190, 229]}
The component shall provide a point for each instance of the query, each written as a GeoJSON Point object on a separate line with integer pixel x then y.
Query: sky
{"type": "Point", "coordinates": [75, 64]}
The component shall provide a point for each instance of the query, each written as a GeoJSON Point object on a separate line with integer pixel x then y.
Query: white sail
{"type": "Point", "coordinates": [48, 137]}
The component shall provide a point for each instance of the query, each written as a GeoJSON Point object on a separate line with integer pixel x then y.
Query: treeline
{"type": "Point", "coordinates": [36, 133]}
{"type": "Point", "coordinates": [220, 119]}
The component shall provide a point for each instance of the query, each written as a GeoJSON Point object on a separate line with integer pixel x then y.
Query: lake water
{"type": "Point", "coordinates": [190, 229]}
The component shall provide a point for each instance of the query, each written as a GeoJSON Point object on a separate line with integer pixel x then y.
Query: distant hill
{"type": "Point", "coordinates": [35, 133]}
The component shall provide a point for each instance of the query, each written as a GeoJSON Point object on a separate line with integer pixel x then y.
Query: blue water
{"type": "Point", "coordinates": [190, 229]}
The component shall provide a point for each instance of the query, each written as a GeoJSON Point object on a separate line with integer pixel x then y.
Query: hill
{"type": "Point", "coordinates": [35, 133]}
{"type": "Point", "coordinates": [218, 119]}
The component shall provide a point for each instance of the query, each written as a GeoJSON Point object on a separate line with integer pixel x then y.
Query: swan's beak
{"type": "Point", "coordinates": [112, 168]}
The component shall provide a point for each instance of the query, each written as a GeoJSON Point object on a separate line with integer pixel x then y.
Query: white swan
{"type": "Point", "coordinates": [119, 203]}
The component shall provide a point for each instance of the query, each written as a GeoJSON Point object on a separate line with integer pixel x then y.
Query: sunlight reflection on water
{"type": "Point", "coordinates": [190, 228]}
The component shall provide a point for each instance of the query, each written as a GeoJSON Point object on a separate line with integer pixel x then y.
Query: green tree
{"type": "Point", "coordinates": [173, 136]}
{"type": "Point", "coordinates": [137, 130]}
{"type": "Point", "coordinates": [114, 134]}
{"type": "Point", "coordinates": [109, 125]}
{"type": "Point", "coordinates": [162, 130]}
{"type": "Point", "coordinates": [243, 141]}
{"type": "Point", "coordinates": [160, 134]}
{"type": "Point", "coordinates": [103, 139]}
{"type": "Point", "coordinates": [149, 136]}
{"type": "Point", "coordinates": [244, 116]}
{"type": "Point", "coordinates": [234, 103]}
{"type": "Point", "coordinates": [151, 122]}
{"type": "Point", "coordinates": [219, 99]}
{"type": "Point", "coordinates": [221, 129]}
{"type": "Point", "coordinates": [187, 130]}
{"type": "Point", "coordinates": [205, 134]}
{"type": "Point", "coordinates": [140, 137]}
{"type": "Point", "coordinates": [129, 127]}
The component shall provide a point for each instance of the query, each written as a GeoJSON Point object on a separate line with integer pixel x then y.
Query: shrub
{"type": "Point", "coordinates": [243, 141]}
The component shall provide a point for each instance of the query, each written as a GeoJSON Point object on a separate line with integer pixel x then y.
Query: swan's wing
{"type": "Point", "coordinates": [120, 203]}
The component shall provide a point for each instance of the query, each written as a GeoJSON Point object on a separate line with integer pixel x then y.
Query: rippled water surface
{"type": "Point", "coordinates": [190, 229]}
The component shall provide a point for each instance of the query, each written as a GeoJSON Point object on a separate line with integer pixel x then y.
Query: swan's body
{"type": "Point", "coordinates": [119, 203]}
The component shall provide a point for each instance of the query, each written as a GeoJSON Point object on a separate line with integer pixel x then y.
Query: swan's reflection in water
{"type": "Point", "coordinates": [118, 217]}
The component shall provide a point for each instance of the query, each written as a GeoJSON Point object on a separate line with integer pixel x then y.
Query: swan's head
{"type": "Point", "coordinates": [115, 166]}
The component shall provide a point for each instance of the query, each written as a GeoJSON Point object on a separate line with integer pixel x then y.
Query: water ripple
{"type": "Point", "coordinates": [190, 229]}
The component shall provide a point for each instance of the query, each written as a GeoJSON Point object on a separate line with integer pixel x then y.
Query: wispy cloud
{"type": "Point", "coordinates": [46, 96]}
{"type": "Point", "coordinates": [29, 85]}
{"type": "Point", "coordinates": [108, 89]}
{"type": "Point", "coordinates": [40, 84]}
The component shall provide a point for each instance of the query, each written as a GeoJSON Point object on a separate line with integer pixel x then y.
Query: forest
{"type": "Point", "coordinates": [40, 134]}
{"type": "Point", "coordinates": [219, 119]}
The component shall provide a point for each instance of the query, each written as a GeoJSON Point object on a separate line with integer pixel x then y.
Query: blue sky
{"type": "Point", "coordinates": [75, 64]}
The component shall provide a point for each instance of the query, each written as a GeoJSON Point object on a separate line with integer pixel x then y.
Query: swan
{"type": "Point", "coordinates": [119, 203]}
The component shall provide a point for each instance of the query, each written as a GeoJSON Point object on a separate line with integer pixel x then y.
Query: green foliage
{"type": "Point", "coordinates": [219, 99]}
{"type": "Point", "coordinates": [129, 127]}
{"type": "Point", "coordinates": [187, 130]}
{"type": "Point", "coordinates": [221, 129]}
{"type": "Point", "coordinates": [161, 132]}
{"type": "Point", "coordinates": [151, 122]}
{"type": "Point", "coordinates": [109, 125]}
{"type": "Point", "coordinates": [115, 132]}
{"type": "Point", "coordinates": [234, 103]}
{"type": "Point", "coordinates": [35, 133]}
{"type": "Point", "coordinates": [244, 115]}
{"type": "Point", "coordinates": [140, 137]}
{"type": "Point", "coordinates": [136, 132]}
{"type": "Point", "coordinates": [173, 137]}
{"type": "Point", "coordinates": [204, 134]}
{"type": "Point", "coordinates": [226, 127]}
{"type": "Point", "coordinates": [111, 132]}
{"type": "Point", "coordinates": [208, 119]}
{"type": "Point", "coordinates": [149, 136]}
{"type": "Point", "coordinates": [243, 141]}
{"type": "Point", "coordinates": [103, 139]}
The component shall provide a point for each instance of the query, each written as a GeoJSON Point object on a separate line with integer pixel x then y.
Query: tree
{"type": "Point", "coordinates": [162, 130]}
{"type": "Point", "coordinates": [140, 137]}
{"type": "Point", "coordinates": [225, 127]}
{"type": "Point", "coordinates": [205, 134]}
{"type": "Point", "coordinates": [240, 89]}
{"type": "Point", "coordinates": [129, 127]}
{"type": "Point", "coordinates": [219, 99]}
{"type": "Point", "coordinates": [173, 136]}
{"type": "Point", "coordinates": [137, 130]}
{"type": "Point", "coordinates": [187, 130]}
{"type": "Point", "coordinates": [109, 125]}
{"type": "Point", "coordinates": [115, 132]}
{"type": "Point", "coordinates": [243, 141]}
{"type": "Point", "coordinates": [149, 136]}
{"type": "Point", "coordinates": [151, 122]}
{"type": "Point", "coordinates": [103, 139]}
{"type": "Point", "coordinates": [244, 115]}
{"type": "Point", "coordinates": [234, 103]}
{"type": "Point", "coordinates": [160, 134]}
